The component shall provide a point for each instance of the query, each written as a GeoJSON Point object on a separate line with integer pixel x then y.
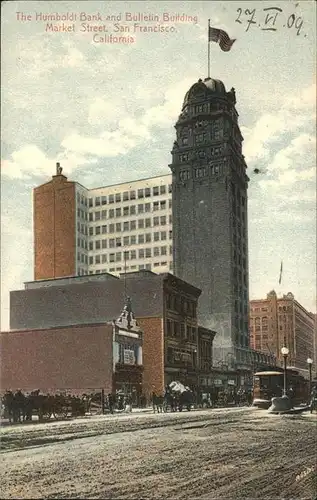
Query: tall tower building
{"type": "Point", "coordinates": [209, 208]}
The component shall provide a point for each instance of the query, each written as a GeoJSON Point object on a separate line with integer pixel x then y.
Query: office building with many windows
{"type": "Point", "coordinates": [124, 227]}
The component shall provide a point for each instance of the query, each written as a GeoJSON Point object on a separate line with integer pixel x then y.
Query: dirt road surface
{"type": "Point", "coordinates": [232, 454]}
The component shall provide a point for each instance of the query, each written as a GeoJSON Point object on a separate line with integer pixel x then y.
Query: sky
{"type": "Point", "coordinates": [107, 111]}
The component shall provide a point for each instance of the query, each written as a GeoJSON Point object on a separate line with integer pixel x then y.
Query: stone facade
{"type": "Point", "coordinates": [127, 354]}
{"type": "Point", "coordinates": [210, 241]}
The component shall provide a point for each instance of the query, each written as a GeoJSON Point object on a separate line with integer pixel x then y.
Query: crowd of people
{"type": "Point", "coordinates": [19, 407]}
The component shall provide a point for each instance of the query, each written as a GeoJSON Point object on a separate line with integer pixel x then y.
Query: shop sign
{"type": "Point", "coordinates": [129, 357]}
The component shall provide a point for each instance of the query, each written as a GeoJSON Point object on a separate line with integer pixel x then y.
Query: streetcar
{"type": "Point", "coordinates": [270, 384]}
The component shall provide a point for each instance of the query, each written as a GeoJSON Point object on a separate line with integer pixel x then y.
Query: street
{"type": "Point", "coordinates": [232, 454]}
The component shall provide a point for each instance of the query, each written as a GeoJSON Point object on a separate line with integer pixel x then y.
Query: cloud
{"type": "Point", "coordinates": [30, 162]}
{"type": "Point", "coordinates": [16, 257]}
{"type": "Point", "coordinates": [294, 113]}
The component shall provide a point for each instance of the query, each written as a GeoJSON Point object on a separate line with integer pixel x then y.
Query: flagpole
{"type": "Point", "coordinates": [208, 50]}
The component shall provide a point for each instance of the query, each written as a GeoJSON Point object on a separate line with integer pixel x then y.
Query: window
{"type": "Point", "coordinates": [91, 217]}
{"type": "Point", "coordinates": [125, 195]}
{"type": "Point", "coordinates": [118, 256]}
{"type": "Point", "coordinates": [97, 259]}
{"type": "Point", "coordinates": [163, 220]}
{"type": "Point", "coordinates": [98, 228]}
{"type": "Point", "coordinates": [111, 213]}
{"type": "Point", "coordinates": [140, 209]}
{"type": "Point", "coordinates": [199, 138]}
{"type": "Point", "coordinates": [147, 222]}
{"type": "Point", "coordinates": [156, 251]}
{"type": "Point", "coordinates": [98, 246]}
{"type": "Point", "coordinates": [141, 223]}
{"type": "Point", "coordinates": [132, 210]}
{"type": "Point", "coordinates": [104, 258]}
{"type": "Point", "coordinates": [111, 258]}
{"type": "Point", "coordinates": [141, 238]}
{"type": "Point", "coordinates": [147, 192]}
{"type": "Point", "coordinates": [156, 221]}
{"type": "Point", "coordinates": [104, 214]}
{"type": "Point", "coordinates": [156, 205]}
{"type": "Point", "coordinates": [97, 201]}
{"type": "Point", "coordinates": [104, 243]}
{"type": "Point", "coordinates": [132, 195]}
{"type": "Point", "coordinates": [91, 261]}
{"type": "Point", "coordinates": [91, 231]}
{"type": "Point", "coordinates": [148, 237]}
{"type": "Point", "coordinates": [104, 229]}
{"type": "Point", "coordinates": [118, 197]}
{"type": "Point", "coordinates": [200, 172]}
{"type": "Point", "coordinates": [163, 235]}
{"type": "Point", "coordinates": [140, 193]}
{"type": "Point", "coordinates": [183, 158]}
{"type": "Point", "coordinates": [126, 241]}
{"type": "Point", "coordinates": [90, 203]}
{"type": "Point", "coordinates": [126, 226]}
{"type": "Point", "coordinates": [111, 243]}
{"type": "Point", "coordinates": [111, 228]}
{"type": "Point", "coordinates": [118, 227]}
{"type": "Point", "coordinates": [148, 253]}
{"type": "Point", "coordinates": [91, 245]}
{"type": "Point", "coordinates": [118, 212]}
{"type": "Point", "coordinates": [141, 253]}
{"type": "Point", "coordinates": [163, 251]}
{"type": "Point", "coordinates": [163, 205]}
{"type": "Point", "coordinates": [118, 242]}
{"type": "Point", "coordinates": [147, 207]}
{"type": "Point", "coordinates": [104, 200]}
{"type": "Point", "coordinates": [133, 255]}
{"type": "Point", "coordinates": [162, 189]}
{"type": "Point", "coordinates": [156, 236]}
{"type": "Point", "coordinates": [97, 216]}
{"type": "Point", "coordinates": [111, 198]}
{"type": "Point", "coordinates": [148, 267]}
{"type": "Point", "coordinates": [133, 240]}
{"type": "Point", "coordinates": [170, 188]}
{"type": "Point", "coordinates": [126, 211]}
{"type": "Point", "coordinates": [132, 225]}
{"type": "Point", "coordinates": [155, 191]}
{"type": "Point", "coordinates": [170, 234]}
{"type": "Point", "coordinates": [184, 175]}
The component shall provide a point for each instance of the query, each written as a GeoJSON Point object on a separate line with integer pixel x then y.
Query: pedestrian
{"type": "Point", "coordinates": [110, 403]}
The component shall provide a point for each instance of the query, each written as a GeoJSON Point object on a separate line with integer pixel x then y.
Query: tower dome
{"type": "Point", "coordinates": [203, 88]}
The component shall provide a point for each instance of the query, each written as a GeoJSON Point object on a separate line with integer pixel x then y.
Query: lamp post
{"type": "Point", "coordinates": [285, 352]}
{"type": "Point", "coordinates": [309, 362]}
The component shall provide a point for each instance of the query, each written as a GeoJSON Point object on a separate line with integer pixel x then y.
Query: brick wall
{"type": "Point", "coordinates": [153, 354]}
{"type": "Point", "coordinates": [54, 217]}
{"type": "Point", "coordinates": [59, 358]}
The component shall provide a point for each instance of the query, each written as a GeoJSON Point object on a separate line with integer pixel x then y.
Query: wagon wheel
{"type": "Point", "coordinates": [46, 414]}
{"type": "Point", "coordinates": [61, 412]}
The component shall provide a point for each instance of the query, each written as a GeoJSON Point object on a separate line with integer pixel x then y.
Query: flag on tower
{"type": "Point", "coordinates": [221, 37]}
{"type": "Point", "coordinates": [281, 271]}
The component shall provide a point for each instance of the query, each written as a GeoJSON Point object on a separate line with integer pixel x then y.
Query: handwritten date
{"type": "Point", "coordinates": [270, 18]}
